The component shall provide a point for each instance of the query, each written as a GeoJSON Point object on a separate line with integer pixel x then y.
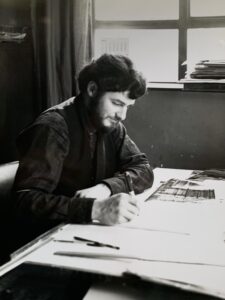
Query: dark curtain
{"type": "Point", "coordinates": [62, 34]}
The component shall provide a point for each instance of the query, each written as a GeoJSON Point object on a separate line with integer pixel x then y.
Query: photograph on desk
{"type": "Point", "coordinates": [112, 157]}
{"type": "Point", "coordinates": [182, 190]}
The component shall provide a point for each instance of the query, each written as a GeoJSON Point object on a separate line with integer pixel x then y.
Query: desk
{"type": "Point", "coordinates": [172, 244]}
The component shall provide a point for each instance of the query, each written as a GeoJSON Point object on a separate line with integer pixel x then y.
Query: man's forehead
{"type": "Point", "coordinates": [123, 97]}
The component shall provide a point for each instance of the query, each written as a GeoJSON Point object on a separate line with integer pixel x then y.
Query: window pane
{"type": "Point", "coordinates": [136, 9]}
{"type": "Point", "coordinates": [154, 52]}
{"type": "Point", "coordinates": [201, 8]}
{"type": "Point", "coordinates": [208, 43]}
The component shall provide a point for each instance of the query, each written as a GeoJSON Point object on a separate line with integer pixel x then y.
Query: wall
{"type": "Point", "coordinates": [180, 129]}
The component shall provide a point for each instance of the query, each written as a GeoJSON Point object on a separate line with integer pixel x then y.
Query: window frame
{"type": "Point", "coordinates": [182, 24]}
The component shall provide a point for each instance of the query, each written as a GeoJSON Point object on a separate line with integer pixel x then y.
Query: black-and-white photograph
{"type": "Point", "coordinates": [112, 157]}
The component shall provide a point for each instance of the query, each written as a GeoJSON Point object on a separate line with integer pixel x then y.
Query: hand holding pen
{"type": "Point", "coordinates": [118, 208]}
{"type": "Point", "coordinates": [129, 183]}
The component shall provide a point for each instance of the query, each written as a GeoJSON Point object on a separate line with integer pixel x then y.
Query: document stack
{"type": "Point", "coordinates": [209, 69]}
{"type": "Point", "coordinates": [208, 75]}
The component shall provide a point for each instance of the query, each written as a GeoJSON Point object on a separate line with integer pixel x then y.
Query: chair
{"type": "Point", "coordinates": [7, 176]}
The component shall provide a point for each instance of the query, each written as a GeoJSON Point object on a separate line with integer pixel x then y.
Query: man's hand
{"type": "Point", "coordinates": [119, 208]}
{"type": "Point", "coordinates": [99, 191]}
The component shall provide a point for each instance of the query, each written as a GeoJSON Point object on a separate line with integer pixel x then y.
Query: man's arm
{"type": "Point", "coordinates": [42, 206]}
{"type": "Point", "coordinates": [43, 148]}
{"type": "Point", "coordinates": [37, 177]}
{"type": "Point", "coordinates": [132, 160]}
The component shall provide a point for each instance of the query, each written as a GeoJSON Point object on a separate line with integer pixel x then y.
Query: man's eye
{"type": "Point", "coordinates": [117, 103]}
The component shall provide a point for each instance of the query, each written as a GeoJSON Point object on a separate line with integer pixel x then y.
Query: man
{"type": "Point", "coordinates": [73, 158]}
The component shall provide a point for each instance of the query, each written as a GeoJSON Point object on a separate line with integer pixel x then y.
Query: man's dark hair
{"type": "Point", "coordinates": [113, 73]}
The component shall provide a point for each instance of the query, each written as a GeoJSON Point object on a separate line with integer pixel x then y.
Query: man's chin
{"type": "Point", "coordinates": [108, 128]}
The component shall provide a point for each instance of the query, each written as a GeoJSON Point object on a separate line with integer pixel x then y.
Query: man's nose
{"type": "Point", "coordinates": [122, 113]}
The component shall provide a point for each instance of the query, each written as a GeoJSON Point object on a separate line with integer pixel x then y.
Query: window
{"type": "Point", "coordinates": [160, 35]}
{"type": "Point", "coordinates": [151, 56]}
{"type": "Point", "coordinates": [135, 10]}
{"type": "Point", "coordinates": [205, 43]}
{"type": "Point", "coordinates": [211, 8]}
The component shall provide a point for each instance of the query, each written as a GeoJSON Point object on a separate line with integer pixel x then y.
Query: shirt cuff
{"type": "Point", "coordinates": [79, 210]}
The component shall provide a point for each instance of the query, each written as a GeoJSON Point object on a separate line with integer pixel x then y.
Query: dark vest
{"type": "Point", "coordinates": [80, 170]}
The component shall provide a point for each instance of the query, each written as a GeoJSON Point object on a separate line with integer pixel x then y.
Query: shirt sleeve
{"type": "Point", "coordinates": [43, 148]}
{"type": "Point", "coordinates": [132, 160]}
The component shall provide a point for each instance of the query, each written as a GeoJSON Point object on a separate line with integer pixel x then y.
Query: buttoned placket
{"type": "Point", "coordinates": [92, 144]}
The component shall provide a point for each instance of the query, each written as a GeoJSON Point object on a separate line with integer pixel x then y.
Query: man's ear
{"type": "Point", "coordinates": [92, 89]}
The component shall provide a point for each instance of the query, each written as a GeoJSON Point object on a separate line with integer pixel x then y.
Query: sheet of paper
{"type": "Point", "coordinates": [45, 256]}
{"type": "Point", "coordinates": [176, 259]}
{"type": "Point", "coordinates": [203, 217]}
{"type": "Point", "coordinates": [204, 220]}
{"type": "Point", "coordinates": [144, 244]}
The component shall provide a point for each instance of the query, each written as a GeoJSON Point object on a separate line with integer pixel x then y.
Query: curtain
{"type": "Point", "coordinates": [63, 44]}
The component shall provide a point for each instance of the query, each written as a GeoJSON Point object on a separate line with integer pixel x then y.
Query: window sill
{"type": "Point", "coordinates": [165, 85]}
{"type": "Point", "coordinates": [190, 85]}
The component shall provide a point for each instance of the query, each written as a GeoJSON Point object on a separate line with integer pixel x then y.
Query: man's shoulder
{"type": "Point", "coordinates": [60, 108]}
{"type": "Point", "coordinates": [48, 121]}
{"type": "Point", "coordinates": [55, 115]}
{"type": "Point", "coordinates": [50, 118]}
{"type": "Point", "coordinates": [49, 124]}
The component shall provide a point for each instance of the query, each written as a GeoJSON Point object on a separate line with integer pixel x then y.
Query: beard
{"type": "Point", "coordinates": [96, 119]}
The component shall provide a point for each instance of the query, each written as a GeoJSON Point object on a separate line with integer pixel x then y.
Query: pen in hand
{"type": "Point", "coordinates": [95, 243]}
{"type": "Point", "coordinates": [129, 182]}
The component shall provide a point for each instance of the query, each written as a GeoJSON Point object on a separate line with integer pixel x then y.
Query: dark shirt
{"type": "Point", "coordinates": [58, 156]}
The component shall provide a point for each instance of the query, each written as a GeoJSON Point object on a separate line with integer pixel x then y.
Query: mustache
{"type": "Point", "coordinates": [116, 118]}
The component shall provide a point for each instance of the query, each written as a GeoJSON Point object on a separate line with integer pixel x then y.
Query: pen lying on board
{"type": "Point", "coordinates": [95, 243]}
{"type": "Point", "coordinates": [88, 242]}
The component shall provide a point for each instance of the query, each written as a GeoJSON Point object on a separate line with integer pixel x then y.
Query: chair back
{"type": "Point", "coordinates": [7, 177]}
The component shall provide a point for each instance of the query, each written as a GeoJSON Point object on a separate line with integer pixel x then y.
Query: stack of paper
{"type": "Point", "coordinates": [209, 69]}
